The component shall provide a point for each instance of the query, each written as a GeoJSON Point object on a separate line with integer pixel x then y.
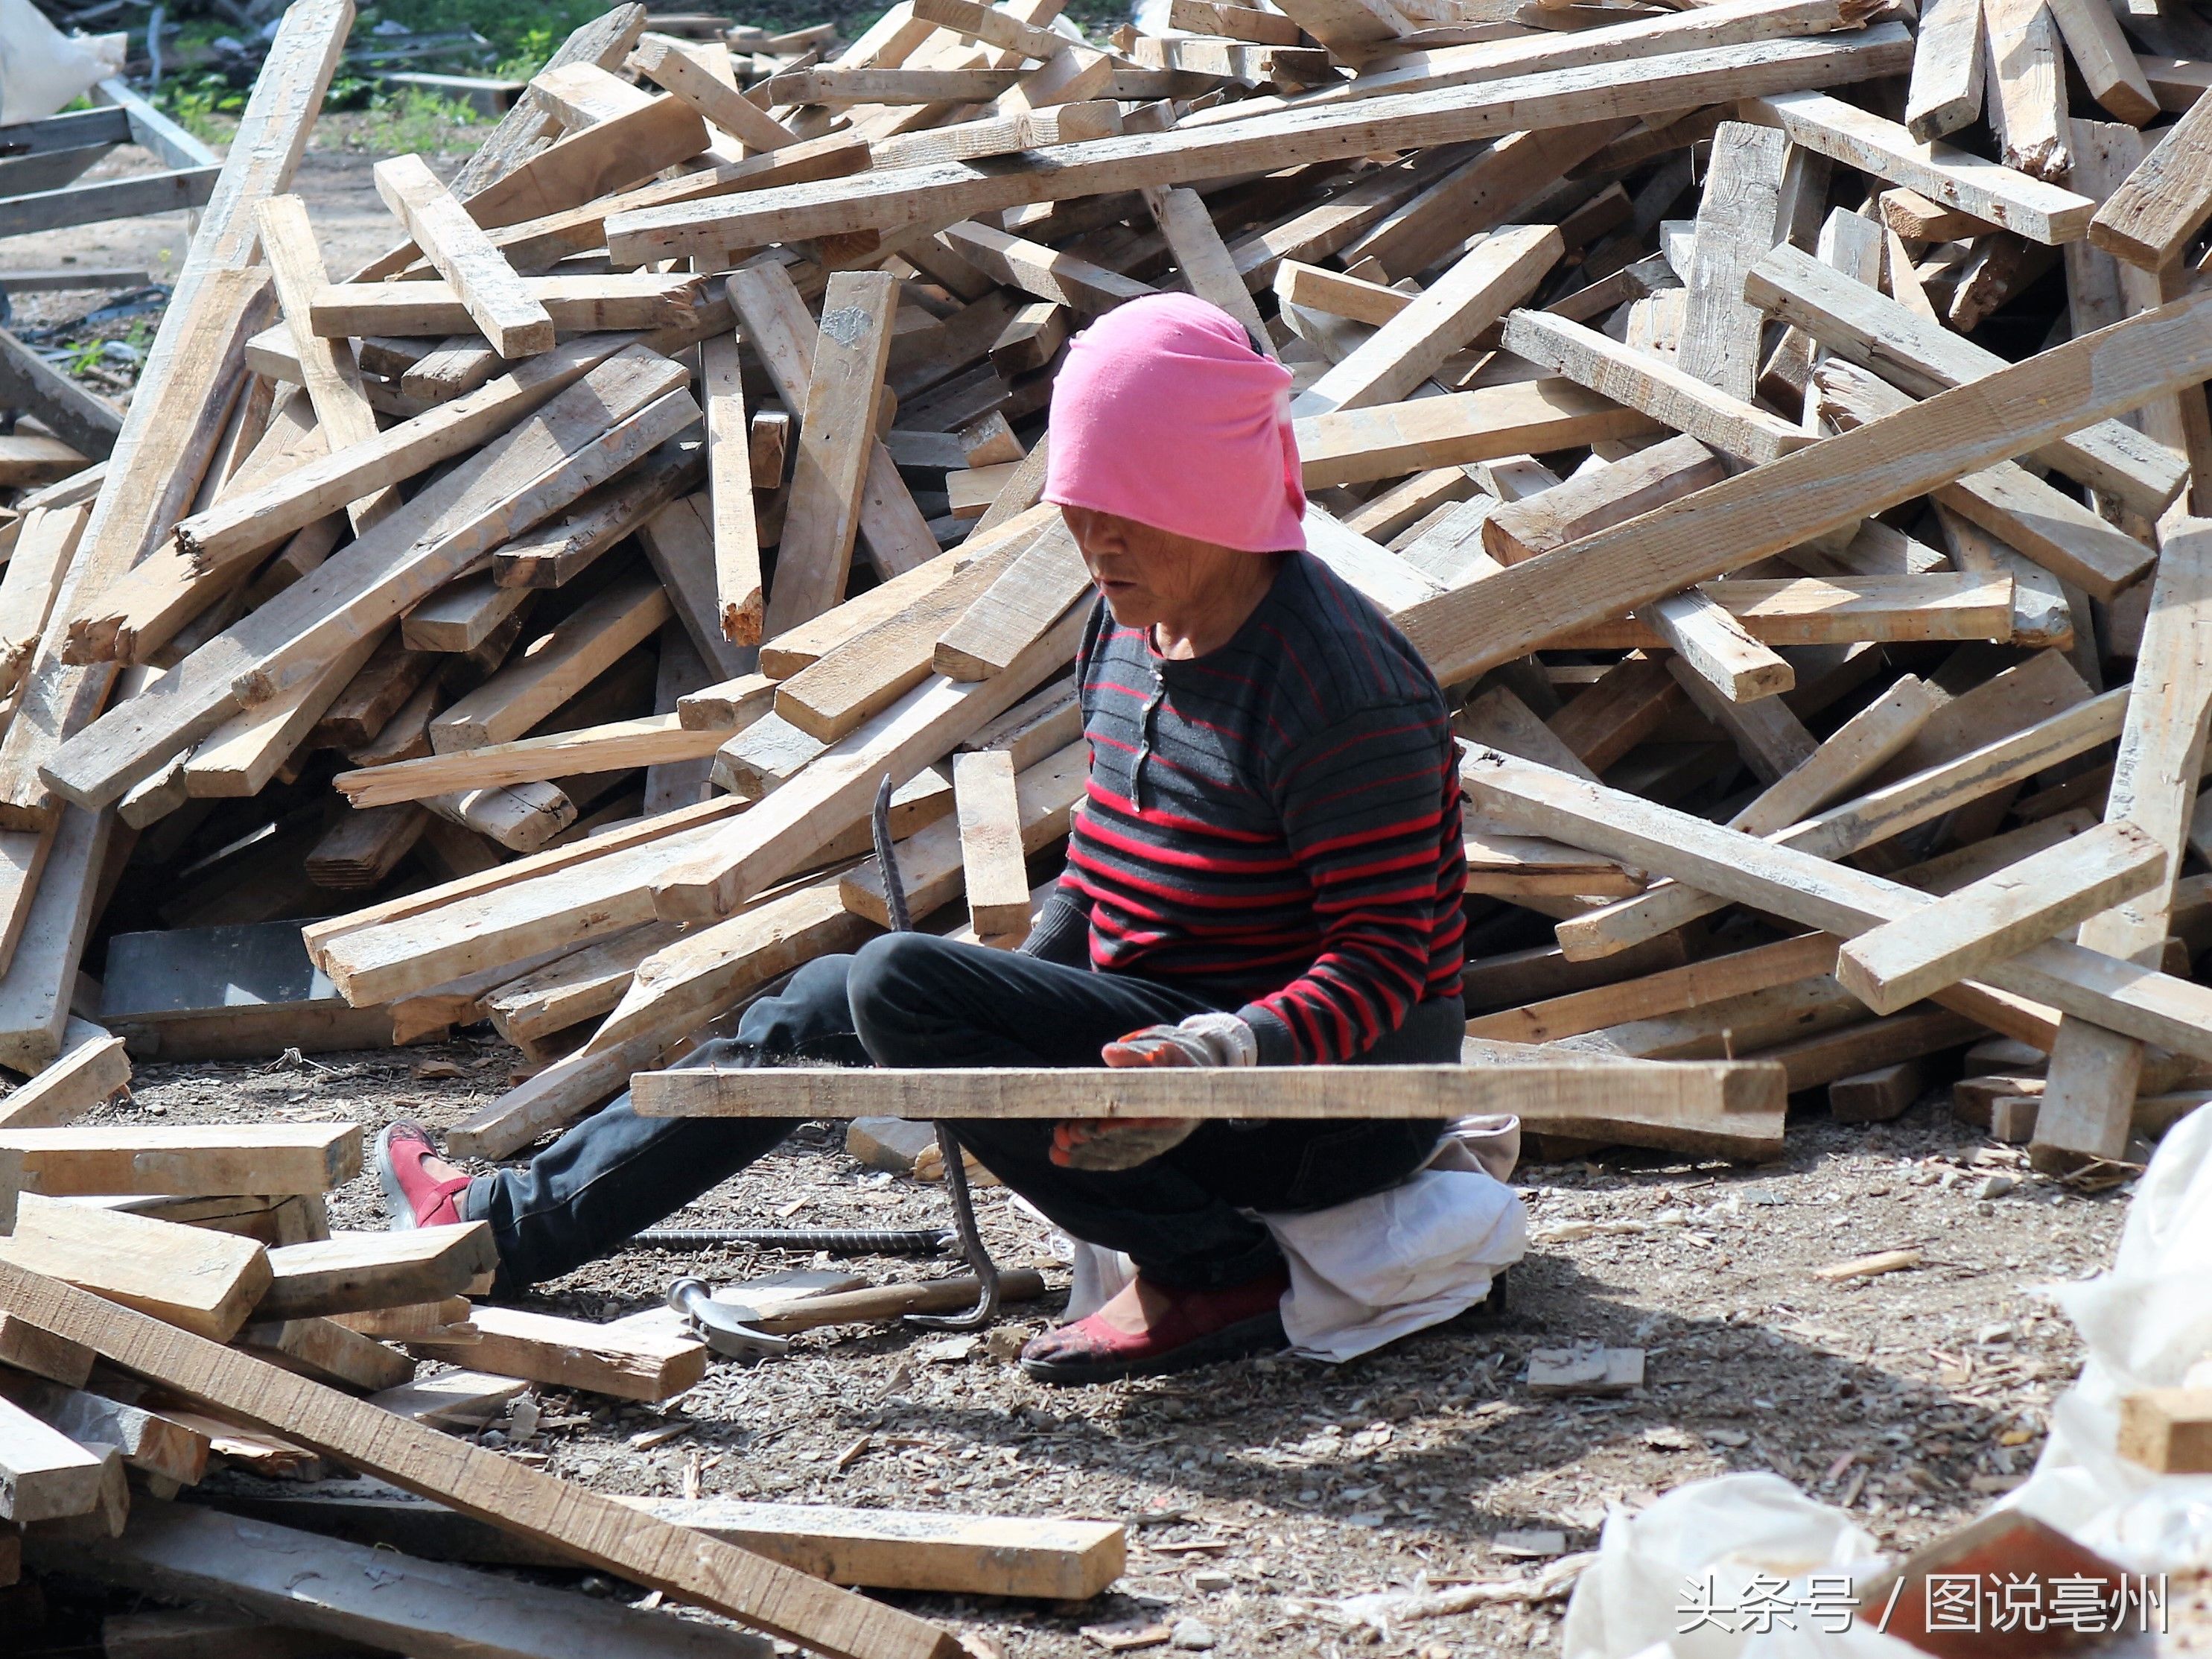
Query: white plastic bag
{"type": "Point", "coordinates": [41, 69]}
{"type": "Point", "coordinates": [1666, 1580]}
{"type": "Point", "coordinates": [2146, 1323]}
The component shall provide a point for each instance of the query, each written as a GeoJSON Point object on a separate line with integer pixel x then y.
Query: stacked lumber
{"type": "Point", "coordinates": [1776, 422]}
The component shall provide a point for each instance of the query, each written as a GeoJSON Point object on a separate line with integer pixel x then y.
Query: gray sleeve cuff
{"type": "Point", "coordinates": [1277, 1047]}
{"type": "Point", "coordinates": [1062, 933]}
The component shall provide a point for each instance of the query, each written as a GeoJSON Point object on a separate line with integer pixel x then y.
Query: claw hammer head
{"type": "Point", "coordinates": [723, 1326]}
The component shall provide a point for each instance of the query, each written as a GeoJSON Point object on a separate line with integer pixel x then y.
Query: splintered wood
{"type": "Point", "coordinates": [1776, 422]}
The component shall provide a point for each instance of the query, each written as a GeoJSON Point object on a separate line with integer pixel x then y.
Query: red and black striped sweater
{"type": "Point", "coordinates": [1277, 821]}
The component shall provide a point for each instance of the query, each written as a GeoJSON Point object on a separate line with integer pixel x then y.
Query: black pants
{"type": "Point", "coordinates": [915, 1000]}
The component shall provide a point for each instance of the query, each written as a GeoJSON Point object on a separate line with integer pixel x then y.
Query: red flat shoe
{"type": "Point", "coordinates": [417, 1198]}
{"type": "Point", "coordinates": [1199, 1327]}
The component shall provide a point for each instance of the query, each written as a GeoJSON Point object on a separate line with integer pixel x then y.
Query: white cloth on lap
{"type": "Point", "coordinates": [1380, 1267]}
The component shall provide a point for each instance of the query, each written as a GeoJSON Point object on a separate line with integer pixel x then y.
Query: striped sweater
{"type": "Point", "coordinates": [1277, 821]}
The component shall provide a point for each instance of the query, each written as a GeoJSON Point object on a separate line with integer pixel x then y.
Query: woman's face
{"type": "Point", "coordinates": [1147, 575]}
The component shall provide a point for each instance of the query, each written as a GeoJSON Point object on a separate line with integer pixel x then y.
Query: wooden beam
{"type": "Point", "coordinates": [2150, 218]}
{"type": "Point", "coordinates": [570, 1354]}
{"type": "Point", "coordinates": [1948, 69]}
{"type": "Point", "coordinates": [1390, 439]}
{"type": "Point", "coordinates": [1999, 916]}
{"type": "Point", "coordinates": [187, 1160]}
{"type": "Point", "coordinates": [91, 1070]}
{"type": "Point", "coordinates": [1648, 384]}
{"type": "Point", "coordinates": [1837, 481]}
{"type": "Point", "coordinates": [43, 1474]}
{"type": "Point", "coordinates": [952, 192]}
{"type": "Point", "coordinates": [1024, 601]}
{"type": "Point", "coordinates": [350, 1272]}
{"type": "Point", "coordinates": [1735, 225]}
{"type": "Point", "coordinates": [1030, 1556]}
{"type": "Point", "coordinates": [618, 746]}
{"type": "Point", "coordinates": [2168, 1430]}
{"type": "Point", "coordinates": [742, 606]}
{"type": "Point", "coordinates": [349, 1594]}
{"type": "Point", "coordinates": [1814, 610]}
{"type": "Point", "coordinates": [1922, 358]}
{"type": "Point", "coordinates": [327, 1351]}
{"type": "Point", "coordinates": [591, 1528]}
{"type": "Point", "coordinates": [992, 868]}
{"type": "Point", "coordinates": [326, 366]}
{"type": "Point", "coordinates": [668, 64]}
{"type": "Point", "coordinates": [2094, 1069]}
{"type": "Point", "coordinates": [87, 424]}
{"type": "Point", "coordinates": [196, 1280]}
{"type": "Point", "coordinates": [1723, 1101]}
{"type": "Point", "coordinates": [1500, 272]}
{"type": "Point", "coordinates": [2027, 206]}
{"type": "Point", "coordinates": [513, 323]}
{"type": "Point", "coordinates": [555, 667]}
{"type": "Point", "coordinates": [637, 301]}
{"type": "Point", "coordinates": [1830, 896]}
{"type": "Point", "coordinates": [1062, 278]}
{"type": "Point", "coordinates": [1674, 990]}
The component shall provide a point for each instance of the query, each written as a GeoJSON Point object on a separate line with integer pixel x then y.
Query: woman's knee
{"type": "Point", "coordinates": [888, 987]}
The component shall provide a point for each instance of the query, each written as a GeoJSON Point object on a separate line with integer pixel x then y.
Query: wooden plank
{"type": "Point", "coordinates": [679, 546]}
{"type": "Point", "coordinates": [2150, 218]}
{"type": "Point", "coordinates": [617, 746]}
{"type": "Point", "coordinates": [564, 449]}
{"type": "Point", "coordinates": [147, 1439]}
{"type": "Point", "coordinates": [638, 300]}
{"type": "Point", "coordinates": [1722, 1102]}
{"type": "Point", "coordinates": [1502, 268]}
{"type": "Point", "coordinates": [91, 1070]}
{"type": "Point", "coordinates": [2027, 206]}
{"type": "Point", "coordinates": [765, 844]}
{"type": "Point", "coordinates": [2027, 92]}
{"type": "Point", "coordinates": [1062, 278]}
{"type": "Point", "coordinates": [951, 192]}
{"type": "Point", "coordinates": [1674, 990]}
{"type": "Point", "coordinates": [554, 668]}
{"type": "Point", "coordinates": [1948, 69]}
{"type": "Point", "coordinates": [1827, 895]}
{"type": "Point", "coordinates": [868, 673]}
{"type": "Point", "coordinates": [525, 128]}
{"type": "Point", "coordinates": [711, 970]}
{"type": "Point", "coordinates": [1922, 358]}
{"type": "Point", "coordinates": [349, 1272]}
{"type": "Point", "coordinates": [1668, 395]}
{"type": "Point", "coordinates": [326, 366]}
{"type": "Point", "coordinates": [1391, 439]}
{"type": "Point", "coordinates": [2167, 1430]}
{"type": "Point", "coordinates": [1838, 482]}
{"type": "Point", "coordinates": [1046, 792]}
{"type": "Point", "coordinates": [351, 1594]}
{"type": "Point", "coordinates": [1023, 603]}
{"type": "Point", "coordinates": [1736, 224]}
{"type": "Point", "coordinates": [836, 440]}
{"type": "Point", "coordinates": [1031, 1556]}
{"type": "Point", "coordinates": [196, 1280]}
{"type": "Point", "coordinates": [1894, 805]}
{"type": "Point", "coordinates": [738, 586]}
{"type": "Point", "coordinates": [1597, 498]}
{"type": "Point", "coordinates": [1814, 610]}
{"type": "Point", "coordinates": [591, 1528]}
{"type": "Point", "coordinates": [36, 571]}
{"type": "Point", "coordinates": [669, 65]}
{"type": "Point", "coordinates": [512, 322]}
{"type": "Point", "coordinates": [327, 1351]}
{"type": "Point", "coordinates": [2094, 1070]}
{"type": "Point", "coordinates": [571, 1354]}
{"type": "Point", "coordinates": [187, 1160]}
{"type": "Point", "coordinates": [2000, 915]}
{"type": "Point", "coordinates": [242, 754]}
{"type": "Point", "coordinates": [2106, 60]}
{"type": "Point", "coordinates": [992, 868]}
{"type": "Point", "coordinates": [569, 542]}
{"type": "Point", "coordinates": [43, 1474]}
{"type": "Point", "coordinates": [780, 331]}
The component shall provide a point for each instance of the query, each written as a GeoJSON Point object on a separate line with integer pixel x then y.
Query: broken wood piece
{"type": "Point", "coordinates": [571, 1354]}
{"type": "Point", "coordinates": [2167, 1431]}
{"type": "Point", "coordinates": [43, 1474]}
{"type": "Point", "coordinates": [186, 1159]}
{"type": "Point", "coordinates": [326, 1352]}
{"type": "Point", "coordinates": [553, 669]}
{"type": "Point", "coordinates": [91, 1070]}
{"type": "Point", "coordinates": [992, 868]}
{"type": "Point", "coordinates": [1584, 1369]}
{"type": "Point", "coordinates": [1963, 932]}
{"type": "Point", "coordinates": [504, 311]}
{"type": "Point", "coordinates": [353, 1273]}
{"type": "Point", "coordinates": [207, 1283]}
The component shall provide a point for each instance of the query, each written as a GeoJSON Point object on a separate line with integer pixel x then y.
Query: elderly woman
{"type": "Point", "coordinates": [1267, 871]}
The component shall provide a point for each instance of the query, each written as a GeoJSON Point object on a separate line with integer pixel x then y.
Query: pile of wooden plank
{"type": "Point", "coordinates": [179, 1329]}
{"type": "Point", "coordinates": [1775, 420]}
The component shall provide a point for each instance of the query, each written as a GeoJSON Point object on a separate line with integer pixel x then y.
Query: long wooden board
{"type": "Point", "coordinates": [597, 1530]}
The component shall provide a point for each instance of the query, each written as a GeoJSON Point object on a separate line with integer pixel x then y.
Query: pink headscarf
{"type": "Point", "coordinates": [1163, 413]}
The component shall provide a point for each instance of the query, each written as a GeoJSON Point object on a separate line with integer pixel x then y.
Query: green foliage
{"type": "Point", "coordinates": [412, 118]}
{"type": "Point", "coordinates": [523, 34]}
{"type": "Point", "coordinates": [195, 101]}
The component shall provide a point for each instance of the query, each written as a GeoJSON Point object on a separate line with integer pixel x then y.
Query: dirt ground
{"type": "Point", "coordinates": [1262, 1494]}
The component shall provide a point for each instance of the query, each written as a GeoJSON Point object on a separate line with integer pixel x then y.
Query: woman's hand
{"type": "Point", "coordinates": [1124, 1142]}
